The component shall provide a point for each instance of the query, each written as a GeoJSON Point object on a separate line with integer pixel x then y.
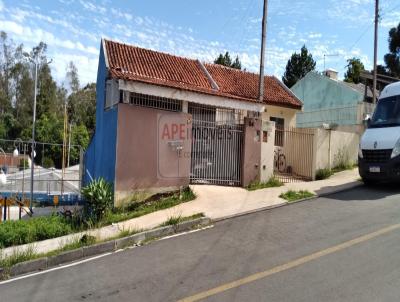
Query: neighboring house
{"type": "Point", "coordinates": [326, 100]}
{"type": "Point", "coordinates": [365, 90]}
{"type": "Point", "coordinates": [163, 121]}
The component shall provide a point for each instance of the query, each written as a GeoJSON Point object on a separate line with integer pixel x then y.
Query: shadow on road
{"type": "Point", "coordinates": [364, 193]}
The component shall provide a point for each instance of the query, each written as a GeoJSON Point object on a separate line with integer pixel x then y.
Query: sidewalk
{"type": "Point", "coordinates": [216, 202]}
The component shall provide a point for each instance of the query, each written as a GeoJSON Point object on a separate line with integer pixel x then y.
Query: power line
{"type": "Point", "coordinates": [383, 12]}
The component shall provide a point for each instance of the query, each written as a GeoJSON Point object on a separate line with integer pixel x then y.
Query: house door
{"type": "Point", "coordinates": [217, 144]}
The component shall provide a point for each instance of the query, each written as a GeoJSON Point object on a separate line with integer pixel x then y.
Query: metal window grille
{"type": "Point", "coordinates": [155, 102]}
{"type": "Point", "coordinates": [218, 116]}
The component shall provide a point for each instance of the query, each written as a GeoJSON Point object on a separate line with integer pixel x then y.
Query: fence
{"type": "Point", "coordinates": [217, 145]}
{"type": "Point", "coordinates": [294, 154]}
{"type": "Point", "coordinates": [50, 176]}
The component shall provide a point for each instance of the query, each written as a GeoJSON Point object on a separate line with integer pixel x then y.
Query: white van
{"type": "Point", "coordinates": [379, 153]}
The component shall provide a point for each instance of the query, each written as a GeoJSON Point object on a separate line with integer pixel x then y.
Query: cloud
{"type": "Point", "coordinates": [92, 7]}
{"type": "Point", "coordinates": [87, 66]}
{"type": "Point", "coordinates": [75, 32]}
{"type": "Point", "coordinates": [390, 19]}
{"type": "Point", "coordinates": [314, 35]}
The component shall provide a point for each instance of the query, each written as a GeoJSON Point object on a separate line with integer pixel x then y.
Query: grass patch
{"type": "Point", "coordinates": [344, 167]}
{"type": "Point", "coordinates": [139, 209]}
{"type": "Point", "coordinates": [323, 174]}
{"type": "Point", "coordinates": [17, 257]}
{"type": "Point", "coordinates": [17, 232]}
{"type": "Point", "coordinates": [271, 183]}
{"type": "Point", "coordinates": [296, 195]}
{"type": "Point", "coordinates": [86, 240]}
{"type": "Point", "coordinates": [326, 173]}
{"type": "Point", "coordinates": [174, 220]}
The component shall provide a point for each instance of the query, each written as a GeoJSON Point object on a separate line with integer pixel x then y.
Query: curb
{"type": "Point", "coordinates": [100, 248]}
{"type": "Point", "coordinates": [351, 186]}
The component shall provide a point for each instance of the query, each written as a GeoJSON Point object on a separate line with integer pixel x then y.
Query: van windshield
{"type": "Point", "coordinates": [387, 113]}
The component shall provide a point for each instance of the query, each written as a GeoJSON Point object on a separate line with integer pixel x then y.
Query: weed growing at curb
{"type": "Point", "coordinates": [78, 242]}
{"type": "Point", "coordinates": [18, 256]}
{"type": "Point", "coordinates": [323, 174]}
{"type": "Point", "coordinates": [174, 220]}
{"type": "Point", "coordinates": [271, 183]}
{"type": "Point", "coordinates": [292, 196]}
{"type": "Point", "coordinates": [139, 209]}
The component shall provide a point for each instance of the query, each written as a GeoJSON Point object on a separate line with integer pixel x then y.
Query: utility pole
{"type": "Point", "coordinates": [262, 55]}
{"type": "Point", "coordinates": [375, 50]}
{"type": "Point", "coordinates": [33, 135]}
{"type": "Point", "coordinates": [69, 143]}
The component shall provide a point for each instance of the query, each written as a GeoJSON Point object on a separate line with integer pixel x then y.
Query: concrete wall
{"type": "Point", "coordinates": [326, 101]}
{"type": "Point", "coordinates": [288, 114]}
{"type": "Point", "coordinates": [147, 157]}
{"type": "Point", "coordinates": [267, 150]}
{"type": "Point", "coordinates": [99, 159]}
{"type": "Point", "coordinates": [251, 150]}
{"type": "Point", "coordinates": [332, 147]}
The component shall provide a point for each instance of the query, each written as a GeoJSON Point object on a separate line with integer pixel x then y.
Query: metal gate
{"type": "Point", "coordinates": [294, 153]}
{"type": "Point", "coordinates": [217, 144]}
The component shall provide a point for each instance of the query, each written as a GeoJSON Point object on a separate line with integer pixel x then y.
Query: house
{"type": "Point", "coordinates": [326, 100]}
{"type": "Point", "coordinates": [163, 121]}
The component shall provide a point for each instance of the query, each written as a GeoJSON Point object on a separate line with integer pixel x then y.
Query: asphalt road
{"type": "Point", "coordinates": [265, 246]}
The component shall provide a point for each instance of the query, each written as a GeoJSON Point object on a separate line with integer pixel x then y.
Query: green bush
{"type": "Point", "coordinates": [23, 164]}
{"type": "Point", "coordinates": [323, 174]}
{"type": "Point", "coordinates": [16, 232]}
{"type": "Point", "coordinates": [271, 183]}
{"type": "Point", "coordinates": [48, 163]}
{"type": "Point", "coordinates": [99, 199]}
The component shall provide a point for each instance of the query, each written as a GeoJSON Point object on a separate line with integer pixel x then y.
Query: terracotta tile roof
{"type": "Point", "coordinates": [245, 84]}
{"type": "Point", "coordinates": [138, 64]}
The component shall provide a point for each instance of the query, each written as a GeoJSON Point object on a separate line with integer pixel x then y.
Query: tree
{"type": "Point", "coordinates": [354, 68]}
{"type": "Point", "coordinates": [82, 107]}
{"type": "Point", "coordinates": [80, 137]}
{"type": "Point", "coordinates": [226, 60]}
{"type": "Point", "coordinates": [392, 59]}
{"type": "Point", "coordinates": [298, 66]}
{"type": "Point", "coordinates": [72, 77]}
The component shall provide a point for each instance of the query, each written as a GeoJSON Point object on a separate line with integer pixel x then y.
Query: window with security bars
{"type": "Point", "coordinates": [155, 102]}
{"type": "Point", "coordinates": [214, 115]}
{"type": "Point", "coordinates": [279, 130]}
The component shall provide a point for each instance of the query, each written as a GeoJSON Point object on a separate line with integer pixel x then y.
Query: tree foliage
{"type": "Point", "coordinates": [298, 66]}
{"type": "Point", "coordinates": [226, 60]}
{"type": "Point", "coordinates": [392, 59]}
{"type": "Point", "coordinates": [354, 68]}
{"type": "Point", "coordinates": [17, 75]}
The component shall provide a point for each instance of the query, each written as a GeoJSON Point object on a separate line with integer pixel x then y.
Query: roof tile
{"type": "Point", "coordinates": [153, 67]}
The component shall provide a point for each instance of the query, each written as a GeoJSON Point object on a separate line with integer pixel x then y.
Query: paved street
{"type": "Point", "coordinates": [254, 245]}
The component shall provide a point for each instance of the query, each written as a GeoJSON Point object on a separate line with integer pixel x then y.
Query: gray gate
{"type": "Point", "coordinates": [217, 144]}
{"type": "Point", "coordinates": [294, 153]}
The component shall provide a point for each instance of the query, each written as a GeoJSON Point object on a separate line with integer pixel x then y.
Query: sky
{"type": "Point", "coordinates": [201, 29]}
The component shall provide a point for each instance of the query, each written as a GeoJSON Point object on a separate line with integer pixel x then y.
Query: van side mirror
{"type": "Point", "coordinates": [367, 121]}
